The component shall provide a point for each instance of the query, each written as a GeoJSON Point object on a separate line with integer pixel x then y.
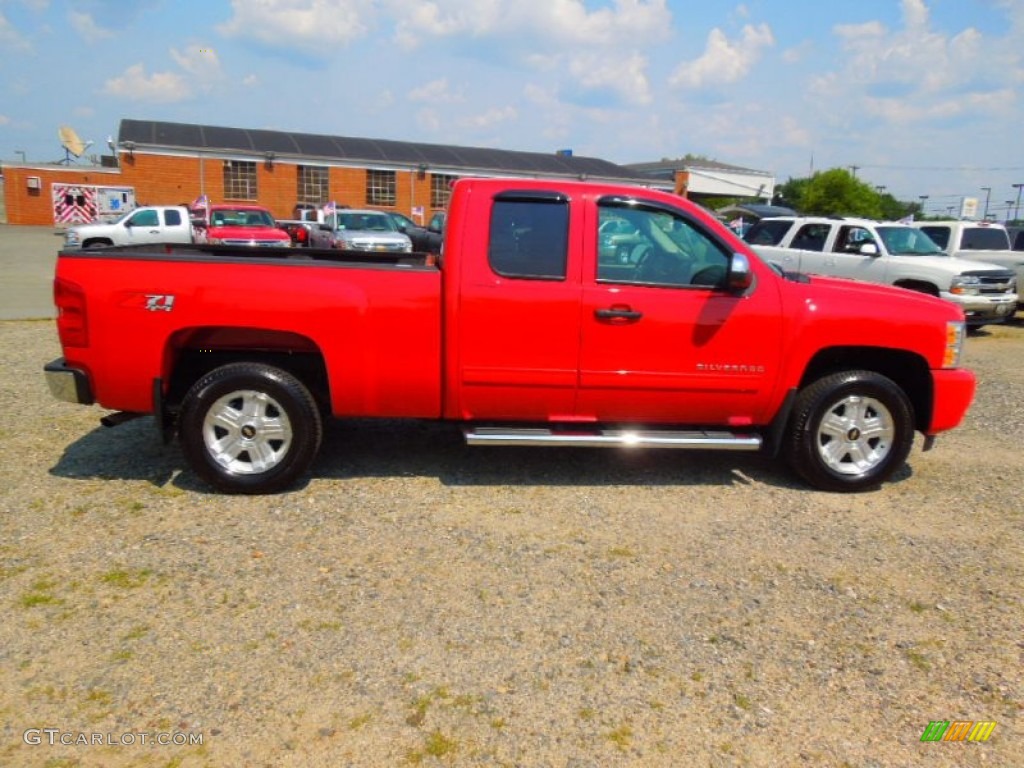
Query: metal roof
{"type": "Point", "coordinates": [152, 134]}
{"type": "Point", "coordinates": [682, 164]}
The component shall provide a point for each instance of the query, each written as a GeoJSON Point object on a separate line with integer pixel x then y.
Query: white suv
{"type": "Point", "coordinates": [886, 252]}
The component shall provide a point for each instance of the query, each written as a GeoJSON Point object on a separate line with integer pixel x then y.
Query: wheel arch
{"type": "Point", "coordinates": [921, 286]}
{"type": "Point", "coordinates": [907, 370]}
{"type": "Point", "coordinates": [192, 353]}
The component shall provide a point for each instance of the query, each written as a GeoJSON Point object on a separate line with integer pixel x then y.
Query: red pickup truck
{"type": "Point", "coordinates": [533, 328]}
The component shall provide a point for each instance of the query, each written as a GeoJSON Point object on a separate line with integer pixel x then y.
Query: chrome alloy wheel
{"type": "Point", "coordinates": [855, 435]}
{"type": "Point", "coordinates": [247, 432]}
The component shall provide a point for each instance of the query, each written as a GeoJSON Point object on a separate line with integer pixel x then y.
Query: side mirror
{"type": "Point", "coordinates": [740, 276]}
{"type": "Point", "coordinates": [869, 249]}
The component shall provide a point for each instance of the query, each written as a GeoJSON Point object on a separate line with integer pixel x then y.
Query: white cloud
{"type": "Point", "coordinates": [541, 22]}
{"type": "Point", "coordinates": [724, 61]}
{"type": "Point", "coordinates": [436, 92]}
{"type": "Point", "coordinates": [920, 60]}
{"type": "Point", "coordinates": [300, 24]}
{"type": "Point", "coordinates": [491, 117]}
{"type": "Point", "coordinates": [87, 28]}
{"type": "Point", "coordinates": [624, 75]}
{"type": "Point", "coordinates": [5, 120]}
{"type": "Point", "coordinates": [136, 85]}
{"type": "Point", "coordinates": [199, 61]}
{"type": "Point", "coordinates": [10, 38]}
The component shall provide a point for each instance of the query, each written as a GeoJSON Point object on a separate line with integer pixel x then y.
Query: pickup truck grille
{"type": "Point", "coordinates": [373, 245]}
{"type": "Point", "coordinates": [995, 281]}
{"type": "Point", "coordinates": [260, 243]}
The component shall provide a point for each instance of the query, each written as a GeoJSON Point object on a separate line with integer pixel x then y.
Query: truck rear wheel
{"type": "Point", "coordinates": [850, 431]}
{"type": "Point", "coordinates": [250, 428]}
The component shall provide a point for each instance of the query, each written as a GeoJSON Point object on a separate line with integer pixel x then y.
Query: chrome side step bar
{"type": "Point", "coordinates": [613, 438]}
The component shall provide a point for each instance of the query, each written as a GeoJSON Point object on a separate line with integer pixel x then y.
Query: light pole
{"type": "Point", "coordinates": [1009, 207]}
{"type": "Point", "coordinates": [922, 198]}
{"type": "Point", "coordinates": [988, 196]}
{"type": "Point", "coordinates": [1016, 208]}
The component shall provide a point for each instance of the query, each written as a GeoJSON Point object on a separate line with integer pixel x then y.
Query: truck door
{"type": "Point", "coordinates": [847, 257]}
{"type": "Point", "coordinates": [147, 225]}
{"type": "Point", "coordinates": [518, 314]}
{"type": "Point", "coordinates": [810, 240]}
{"type": "Point", "coordinates": [662, 342]}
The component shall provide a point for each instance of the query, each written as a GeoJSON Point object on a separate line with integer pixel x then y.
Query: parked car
{"type": "Point", "coordinates": [423, 240]}
{"type": "Point", "coordinates": [436, 223]}
{"type": "Point", "coordinates": [889, 253]}
{"type": "Point", "coordinates": [360, 230]}
{"type": "Point", "coordinates": [976, 241]}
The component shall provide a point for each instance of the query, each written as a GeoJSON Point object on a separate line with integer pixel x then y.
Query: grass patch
{"type": "Point", "coordinates": [121, 578]}
{"type": "Point", "coordinates": [621, 737]}
{"type": "Point", "coordinates": [40, 593]}
{"type": "Point", "coordinates": [623, 552]}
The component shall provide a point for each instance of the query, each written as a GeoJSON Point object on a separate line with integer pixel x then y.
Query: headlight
{"type": "Point", "coordinates": [954, 344]}
{"type": "Point", "coordinates": [965, 285]}
{"type": "Point", "coordinates": [71, 237]}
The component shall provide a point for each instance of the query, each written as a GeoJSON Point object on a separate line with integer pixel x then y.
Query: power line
{"type": "Point", "coordinates": [944, 167]}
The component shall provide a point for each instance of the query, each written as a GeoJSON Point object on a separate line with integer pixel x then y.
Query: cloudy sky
{"type": "Point", "coordinates": [922, 96]}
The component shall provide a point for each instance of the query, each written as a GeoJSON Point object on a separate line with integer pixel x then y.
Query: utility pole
{"type": "Point", "coordinates": [988, 196]}
{"type": "Point", "coordinates": [854, 169]}
{"type": "Point", "coordinates": [1016, 208]}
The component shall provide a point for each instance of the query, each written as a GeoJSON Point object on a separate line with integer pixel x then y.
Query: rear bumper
{"type": "Point", "coordinates": [68, 384]}
{"type": "Point", "coordinates": [954, 391]}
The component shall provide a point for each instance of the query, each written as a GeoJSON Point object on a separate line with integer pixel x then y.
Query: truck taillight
{"type": "Point", "coordinates": [72, 326]}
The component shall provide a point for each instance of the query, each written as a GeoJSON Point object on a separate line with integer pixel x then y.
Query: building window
{"type": "Point", "coordinates": [440, 189]}
{"type": "Point", "coordinates": [240, 180]}
{"type": "Point", "coordinates": [380, 187]}
{"type": "Point", "coordinates": [312, 185]}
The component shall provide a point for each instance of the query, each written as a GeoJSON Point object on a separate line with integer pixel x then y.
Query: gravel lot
{"type": "Point", "coordinates": [419, 602]}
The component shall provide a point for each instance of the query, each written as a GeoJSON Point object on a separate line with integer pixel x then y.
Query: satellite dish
{"type": "Point", "coordinates": [73, 145]}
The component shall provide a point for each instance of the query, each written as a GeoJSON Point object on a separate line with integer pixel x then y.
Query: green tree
{"type": "Point", "coordinates": [837, 192]}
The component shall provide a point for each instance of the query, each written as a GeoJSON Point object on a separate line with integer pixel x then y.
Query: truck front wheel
{"type": "Point", "coordinates": [850, 431]}
{"type": "Point", "coordinates": [249, 428]}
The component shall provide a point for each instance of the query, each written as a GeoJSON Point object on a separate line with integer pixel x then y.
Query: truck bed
{"type": "Point", "coordinates": [371, 323]}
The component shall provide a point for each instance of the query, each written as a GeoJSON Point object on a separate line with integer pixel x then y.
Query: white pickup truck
{"type": "Point", "coordinates": [889, 253]}
{"type": "Point", "coordinates": [977, 241]}
{"type": "Point", "coordinates": [148, 224]}
{"type": "Point", "coordinates": [224, 223]}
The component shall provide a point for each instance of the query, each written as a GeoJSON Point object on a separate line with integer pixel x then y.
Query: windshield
{"type": "Point", "coordinates": [228, 217]}
{"type": "Point", "coordinates": [377, 222]}
{"type": "Point", "coordinates": [907, 241]}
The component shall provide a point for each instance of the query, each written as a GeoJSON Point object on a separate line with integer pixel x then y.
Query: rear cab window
{"type": "Point", "coordinates": [529, 235]}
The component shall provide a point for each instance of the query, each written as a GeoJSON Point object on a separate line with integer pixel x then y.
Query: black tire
{"type": "Point", "coordinates": [250, 428]}
{"type": "Point", "coordinates": [850, 431]}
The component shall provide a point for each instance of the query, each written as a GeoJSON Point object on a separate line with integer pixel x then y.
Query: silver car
{"type": "Point", "coordinates": [360, 230]}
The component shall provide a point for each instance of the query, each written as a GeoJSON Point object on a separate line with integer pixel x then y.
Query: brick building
{"type": "Point", "coordinates": [160, 162]}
